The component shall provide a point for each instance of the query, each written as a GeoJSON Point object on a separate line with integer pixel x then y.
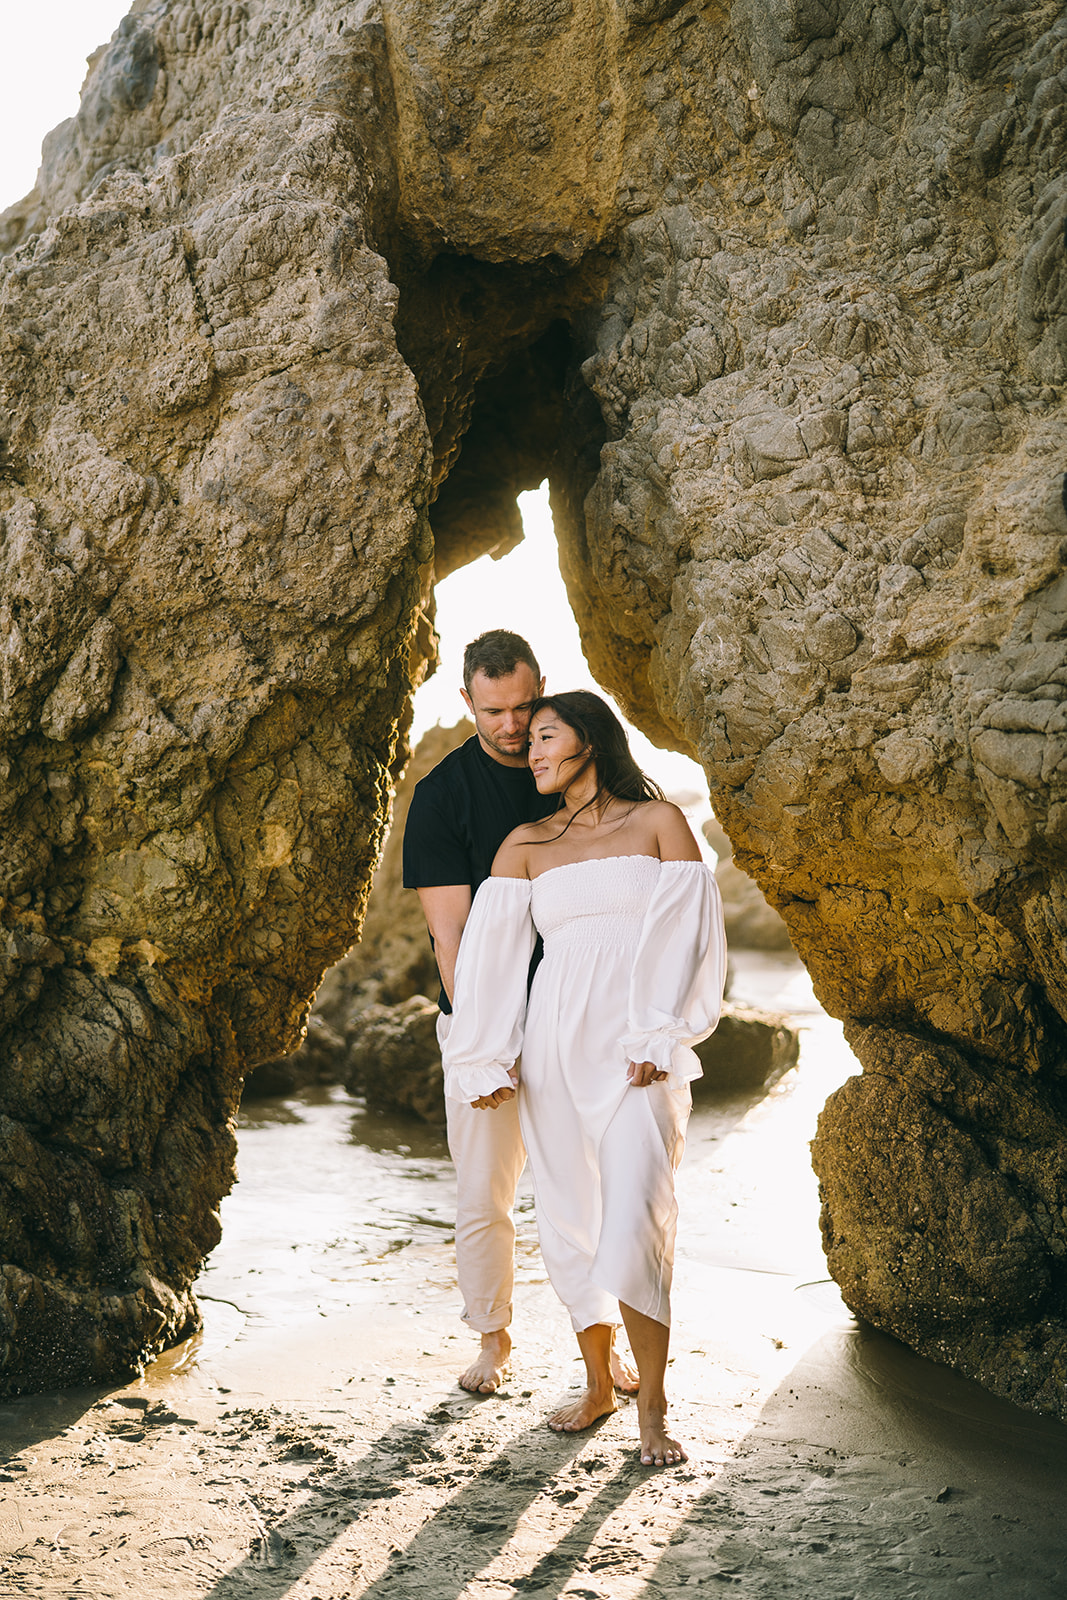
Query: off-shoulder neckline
{"type": "Point", "coordinates": [596, 860]}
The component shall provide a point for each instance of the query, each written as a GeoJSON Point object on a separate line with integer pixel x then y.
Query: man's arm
{"type": "Point", "coordinates": [446, 908]}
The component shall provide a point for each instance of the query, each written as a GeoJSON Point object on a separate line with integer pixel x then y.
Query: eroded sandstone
{"type": "Point", "coordinates": [215, 478]}
{"type": "Point", "coordinates": [775, 296]}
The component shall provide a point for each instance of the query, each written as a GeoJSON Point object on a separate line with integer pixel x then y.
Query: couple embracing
{"type": "Point", "coordinates": [543, 828]}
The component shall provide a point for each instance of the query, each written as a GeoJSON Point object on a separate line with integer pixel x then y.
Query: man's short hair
{"type": "Point", "coordinates": [497, 654]}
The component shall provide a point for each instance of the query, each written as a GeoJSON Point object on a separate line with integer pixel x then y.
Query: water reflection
{"type": "Point", "coordinates": [329, 1199]}
{"type": "Point", "coordinates": [386, 1132]}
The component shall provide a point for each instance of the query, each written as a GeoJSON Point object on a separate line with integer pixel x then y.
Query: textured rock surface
{"type": "Point", "coordinates": [777, 297]}
{"type": "Point", "coordinates": [951, 1227]}
{"type": "Point", "coordinates": [215, 474]}
{"type": "Point", "coordinates": [393, 1058]}
{"type": "Point", "coordinates": [392, 961]}
{"type": "Point", "coordinates": [749, 1050]}
{"type": "Point", "coordinates": [751, 924]}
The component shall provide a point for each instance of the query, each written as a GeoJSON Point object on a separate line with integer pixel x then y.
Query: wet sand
{"type": "Point", "coordinates": [312, 1442]}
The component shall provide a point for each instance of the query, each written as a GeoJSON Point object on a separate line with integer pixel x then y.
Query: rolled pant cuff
{"type": "Point", "coordinates": [490, 1321]}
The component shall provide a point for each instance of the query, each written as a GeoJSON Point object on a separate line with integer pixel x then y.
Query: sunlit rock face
{"type": "Point", "coordinates": [394, 958]}
{"type": "Point", "coordinates": [215, 474]}
{"type": "Point", "coordinates": [776, 296]}
{"type": "Point", "coordinates": [829, 516]}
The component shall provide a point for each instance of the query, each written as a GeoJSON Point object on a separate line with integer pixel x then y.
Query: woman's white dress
{"type": "Point", "coordinates": [633, 970]}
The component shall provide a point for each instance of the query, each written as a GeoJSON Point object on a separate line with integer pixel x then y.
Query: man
{"type": "Point", "coordinates": [460, 814]}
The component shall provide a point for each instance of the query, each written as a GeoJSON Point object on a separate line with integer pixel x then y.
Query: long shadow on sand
{"type": "Point", "coordinates": [456, 1542]}
{"type": "Point", "coordinates": [33, 1419]}
{"type": "Point", "coordinates": [552, 1570]}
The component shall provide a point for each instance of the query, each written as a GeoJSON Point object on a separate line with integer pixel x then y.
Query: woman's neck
{"type": "Point", "coordinates": [585, 804]}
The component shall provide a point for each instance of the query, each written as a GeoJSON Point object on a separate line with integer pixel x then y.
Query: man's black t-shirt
{"type": "Point", "coordinates": [460, 815]}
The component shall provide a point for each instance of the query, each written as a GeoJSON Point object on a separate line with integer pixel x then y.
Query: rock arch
{"type": "Point", "coordinates": [776, 295]}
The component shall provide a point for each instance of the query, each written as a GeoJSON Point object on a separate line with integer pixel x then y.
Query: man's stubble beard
{"type": "Point", "coordinates": [516, 749]}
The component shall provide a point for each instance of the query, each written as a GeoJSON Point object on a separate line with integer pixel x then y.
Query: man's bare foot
{"type": "Point", "coordinates": [658, 1449]}
{"type": "Point", "coordinates": [594, 1404]}
{"type": "Point", "coordinates": [625, 1378]}
{"type": "Point", "coordinates": [488, 1369]}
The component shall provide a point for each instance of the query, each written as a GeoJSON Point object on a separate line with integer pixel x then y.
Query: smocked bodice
{"type": "Point", "coordinates": [600, 902]}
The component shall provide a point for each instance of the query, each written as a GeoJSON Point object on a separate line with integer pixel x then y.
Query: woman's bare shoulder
{"type": "Point", "coordinates": [510, 860]}
{"type": "Point", "coordinates": [674, 836]}
{"type": "Point", "coordinates": [659, 814]}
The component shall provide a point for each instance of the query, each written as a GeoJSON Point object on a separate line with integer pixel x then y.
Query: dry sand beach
{"type": "Point", "coordinates": [312, 1442]}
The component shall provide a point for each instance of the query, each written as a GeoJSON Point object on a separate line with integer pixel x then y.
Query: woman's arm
{"type": "Point", "coordinates": [483, 1038]}
{"type": "Point", "coordinates": [509, 862]}
{"type": "Point", "coordinates": [678, 974]}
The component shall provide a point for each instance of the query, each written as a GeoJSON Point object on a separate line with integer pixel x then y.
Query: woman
{"type": "Point", "coordinates": [632, 977]}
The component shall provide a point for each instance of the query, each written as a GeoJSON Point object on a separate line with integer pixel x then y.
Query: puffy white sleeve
{"type": "Point", "coordinates": [679, 972]}
{"type": "Point", "coordinates": [483, 1036]}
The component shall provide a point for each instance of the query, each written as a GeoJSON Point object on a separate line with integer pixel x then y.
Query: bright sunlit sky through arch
{"type": "Point", "coordinates": [41, 72]}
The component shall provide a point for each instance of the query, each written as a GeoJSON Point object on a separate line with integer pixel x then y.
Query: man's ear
{"type": "Point", "coordinates": [540, 688]}
{"type": "Point", "coordinates": [467, 697]}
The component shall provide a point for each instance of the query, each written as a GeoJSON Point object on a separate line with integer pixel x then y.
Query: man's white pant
{"type": "Point", "coordinates": [488, 1152]}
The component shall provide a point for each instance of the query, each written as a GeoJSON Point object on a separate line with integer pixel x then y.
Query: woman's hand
{"type": "Point", "coordinates": [642, 1073]}
{"type": "Point", "coordinates": [489, 1102]}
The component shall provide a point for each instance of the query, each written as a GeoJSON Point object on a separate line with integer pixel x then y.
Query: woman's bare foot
{"type": "Point", "coordinates": [594, 1404]}
{"type": "Point", "coordinates": [658, 1449]}
{"type": "Point", "coordinates": [489, 1368]}
{"type": "Point", "coordinates": [625, 1378]}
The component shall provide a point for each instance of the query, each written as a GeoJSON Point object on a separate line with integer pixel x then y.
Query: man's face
{"type": "Point", "coordinates": [501, 711]}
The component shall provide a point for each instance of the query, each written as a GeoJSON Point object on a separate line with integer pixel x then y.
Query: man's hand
{"type": "Point", "coordinates": [489, 1102]}
{"type": "Point", "coordinates": [642, 1073]}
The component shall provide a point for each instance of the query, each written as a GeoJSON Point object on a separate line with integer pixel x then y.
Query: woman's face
{"type": "Point", "coordinates": [556, 752]}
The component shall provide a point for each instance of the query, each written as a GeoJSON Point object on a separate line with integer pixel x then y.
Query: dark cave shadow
{"type": "Point", "coordinates": [276, 1563]}
{"type": "Point", "coordinates": [957, 1464]}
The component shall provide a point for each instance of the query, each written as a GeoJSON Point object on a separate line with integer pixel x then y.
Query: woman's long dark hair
{"type": "Point", "coordinates": [604, 744]}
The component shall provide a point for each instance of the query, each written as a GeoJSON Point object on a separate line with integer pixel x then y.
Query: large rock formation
{"type": "Point", "coordinates": [215, 473]}
{"type": "Point", "coordinates": [776, 295]}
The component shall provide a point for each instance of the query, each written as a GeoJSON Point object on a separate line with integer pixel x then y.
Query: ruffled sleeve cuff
{"type": "Point", "coordinates": [471, 1083]}
{"type": "Point", "coordinates": [668, 1051]}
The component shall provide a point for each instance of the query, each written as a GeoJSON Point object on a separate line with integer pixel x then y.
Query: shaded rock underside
{"type": "Point", "coordinates": [776, 297]}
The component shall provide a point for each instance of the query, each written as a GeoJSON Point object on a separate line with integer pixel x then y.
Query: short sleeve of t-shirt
{"type": "Point", "coordinates": [435, 849]}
